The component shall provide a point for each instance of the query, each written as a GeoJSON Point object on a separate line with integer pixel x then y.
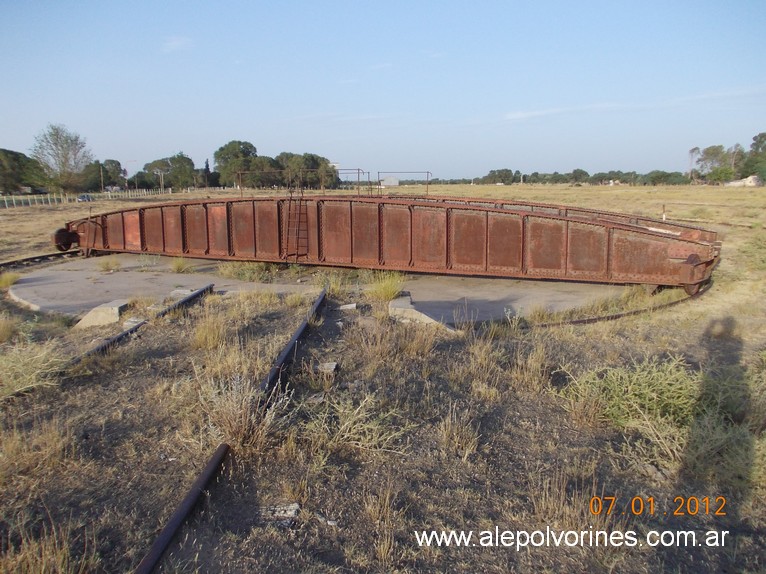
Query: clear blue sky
{"type": "Point", "coordinates": [456, 88]}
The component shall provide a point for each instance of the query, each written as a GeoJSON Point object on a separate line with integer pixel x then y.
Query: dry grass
{"type": "Point", "coordinates": [295, 300]}
{"type": "Point", "coordinates": [8, 278]}
{"type": "Point", "coordinates": [377, 344]}
{"type": "Point", "coordinates": [633, 298]}
{"type": "Point", "coordinates": [481, 368]}
{"type": "Point", "coordinates": [211, 330]}
{"type": "Point", "coordinates": [251, 301]}
{"type": "Point", "coordinates": [35, 450]}
{"type": "Point", "coordinates": [420, 429]}
{"type": "Point", "coordinates": [55, 549]}
{"type": "Point", "coordinates": [141, 304]}
{"type": "Point", "coordinates": [109, 263]}
{"type": "Point", "coordinates": [8, 328]}
{"type": "Point", "coordinates": [381, 509]}
{"type": "Point", "coordinates": [335, 281]}
{"type": "Point", "coordinates": [385, 286]}
{"type": "Point", "coordinates": [242, 415]}
{"type": "Point", "coordinates": [245, 357]}
{"type": "Point", "coordinates": [248, 271]}
{"type": "Point", "coordinates": [313, 378]}
{"type": "Point", "coordinates": [754, 251]}
{"type": "Point", "coordinates": [458, 433]}
{"type": "Point", "coordinates": [25, 366]}
{"type": "Point", "coordinates": [342, 426]}
{"type": "Point", "coordinates": [181, 265]}
{"type": "Point", "coordinates": [418, 341]}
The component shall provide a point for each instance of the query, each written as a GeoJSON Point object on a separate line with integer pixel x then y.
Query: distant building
{"type": "Point", "coordinates": [752, 181]}
{"type": "Point", "coordinates": [389, 182]}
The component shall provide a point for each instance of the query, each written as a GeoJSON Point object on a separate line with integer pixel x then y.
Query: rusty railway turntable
{"type": "Point", "coordinates": [444, 235]}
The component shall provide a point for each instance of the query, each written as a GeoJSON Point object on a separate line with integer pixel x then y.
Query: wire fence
{"type": "Point", "coordinates": [9, 201]}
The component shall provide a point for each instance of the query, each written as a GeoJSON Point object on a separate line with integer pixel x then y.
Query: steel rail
{"type": "Point", "coordinates": [152, 559]}
{"type": "Point", "coordinates": [275, 373]}
{"type": "Point", "coordinates": [166, 535]}
{"type": "Point", "coordinates": [106, 345]}
{"type": "Point", "coordinates": [615, 316]}
{"type": "Point", "coordinates": [37, 259]}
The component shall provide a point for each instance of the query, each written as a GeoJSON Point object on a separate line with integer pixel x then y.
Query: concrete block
{"type": "Point", "coordinates": [402, 308]}
{"type": "Point", "coordinates": [105, 314]}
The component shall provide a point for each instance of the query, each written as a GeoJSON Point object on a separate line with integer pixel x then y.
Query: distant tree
{"type": "Point", "coordinates": [17, 171]}
{"type": "Point", "coordinates": [579, 176]}
{"type": "Point", "coordinates": [495, 176]}
{"type": "Point", "coordinates": [720, 174]}
{"type": "Point", "coordinates": [328, 175]}
{"type": "Point", "coordinates": [600, 178]}
{"type": "Point", "coordinates": [181, 171]}
{"type": "Point", "coordinates": [693, 154]}
{"type": "Point", "coordinates": [204, 175]}
{"type": "Point", "coordinates": [755, 162]}
{"type": "Point", "coordinates": [99, 175]}
{"type": "Point", "coordinates": [292, 165]}
{"type": "Point", "coordinates": [266, 173]}
{"type": "Point", "coordinates": [176, 171]}
{"type": "Point", "coordinates": [114, 174]}
{"type": "Point", "coordinates": [659, 177]}
{"type": "Point", "coordinates": [91, 177]}
{"type": "Point", "coordinates": [63, 155]}
{"type": "Point", "coordinates": [142, 180]}
{"type": "Point", "coordinates": [232, 158]}
{"type": "Point", "coordinates": [712, 157]}
{"type": "Point", "coordinates": [156, 171]}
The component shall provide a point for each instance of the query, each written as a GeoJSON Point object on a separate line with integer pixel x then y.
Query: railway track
{"type": "Point", "coordinates": [111, 342]}
{"type": "Point", "coordinates": [214, 464]}
{"type": "Point", "coordinates": [632, 313]}
{"type": "Point", "coordinates": [152, 559]}
{"type": "Point", "coordinates": [37, 260]}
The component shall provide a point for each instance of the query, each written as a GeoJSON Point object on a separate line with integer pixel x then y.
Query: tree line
{"type": "Point", "coordinates": [61, 161]}
{"type": "Point", "coordinates": [711, 165]}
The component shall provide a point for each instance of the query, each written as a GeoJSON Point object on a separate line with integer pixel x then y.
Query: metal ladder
{"type": "Point", "coordinates": [297, 244]}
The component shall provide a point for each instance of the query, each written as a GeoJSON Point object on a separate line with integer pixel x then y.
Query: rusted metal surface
{"type": "Point", "coordinates": [480, 237]}
{"type": "Point", "coordinates": [27, 262]}
{"type": "Point", "coordinates": [275, 373]}
{"type": "Point", "coordinates": [169, 532]}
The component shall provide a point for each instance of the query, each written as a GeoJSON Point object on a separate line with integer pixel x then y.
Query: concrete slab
{"type": "Point", "coordinates": [455, 299]}
{"type": "Point", "coordinates": [402, 308]}
{"type": "Point", "coordinates": [75, 287]}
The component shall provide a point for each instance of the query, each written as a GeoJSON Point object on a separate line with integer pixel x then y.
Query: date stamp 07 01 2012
{"type": "Point", "coordinates": [647, 506]}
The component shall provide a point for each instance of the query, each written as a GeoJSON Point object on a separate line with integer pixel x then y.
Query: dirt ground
{"type": "Point", "coordinates": [417, 429]}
